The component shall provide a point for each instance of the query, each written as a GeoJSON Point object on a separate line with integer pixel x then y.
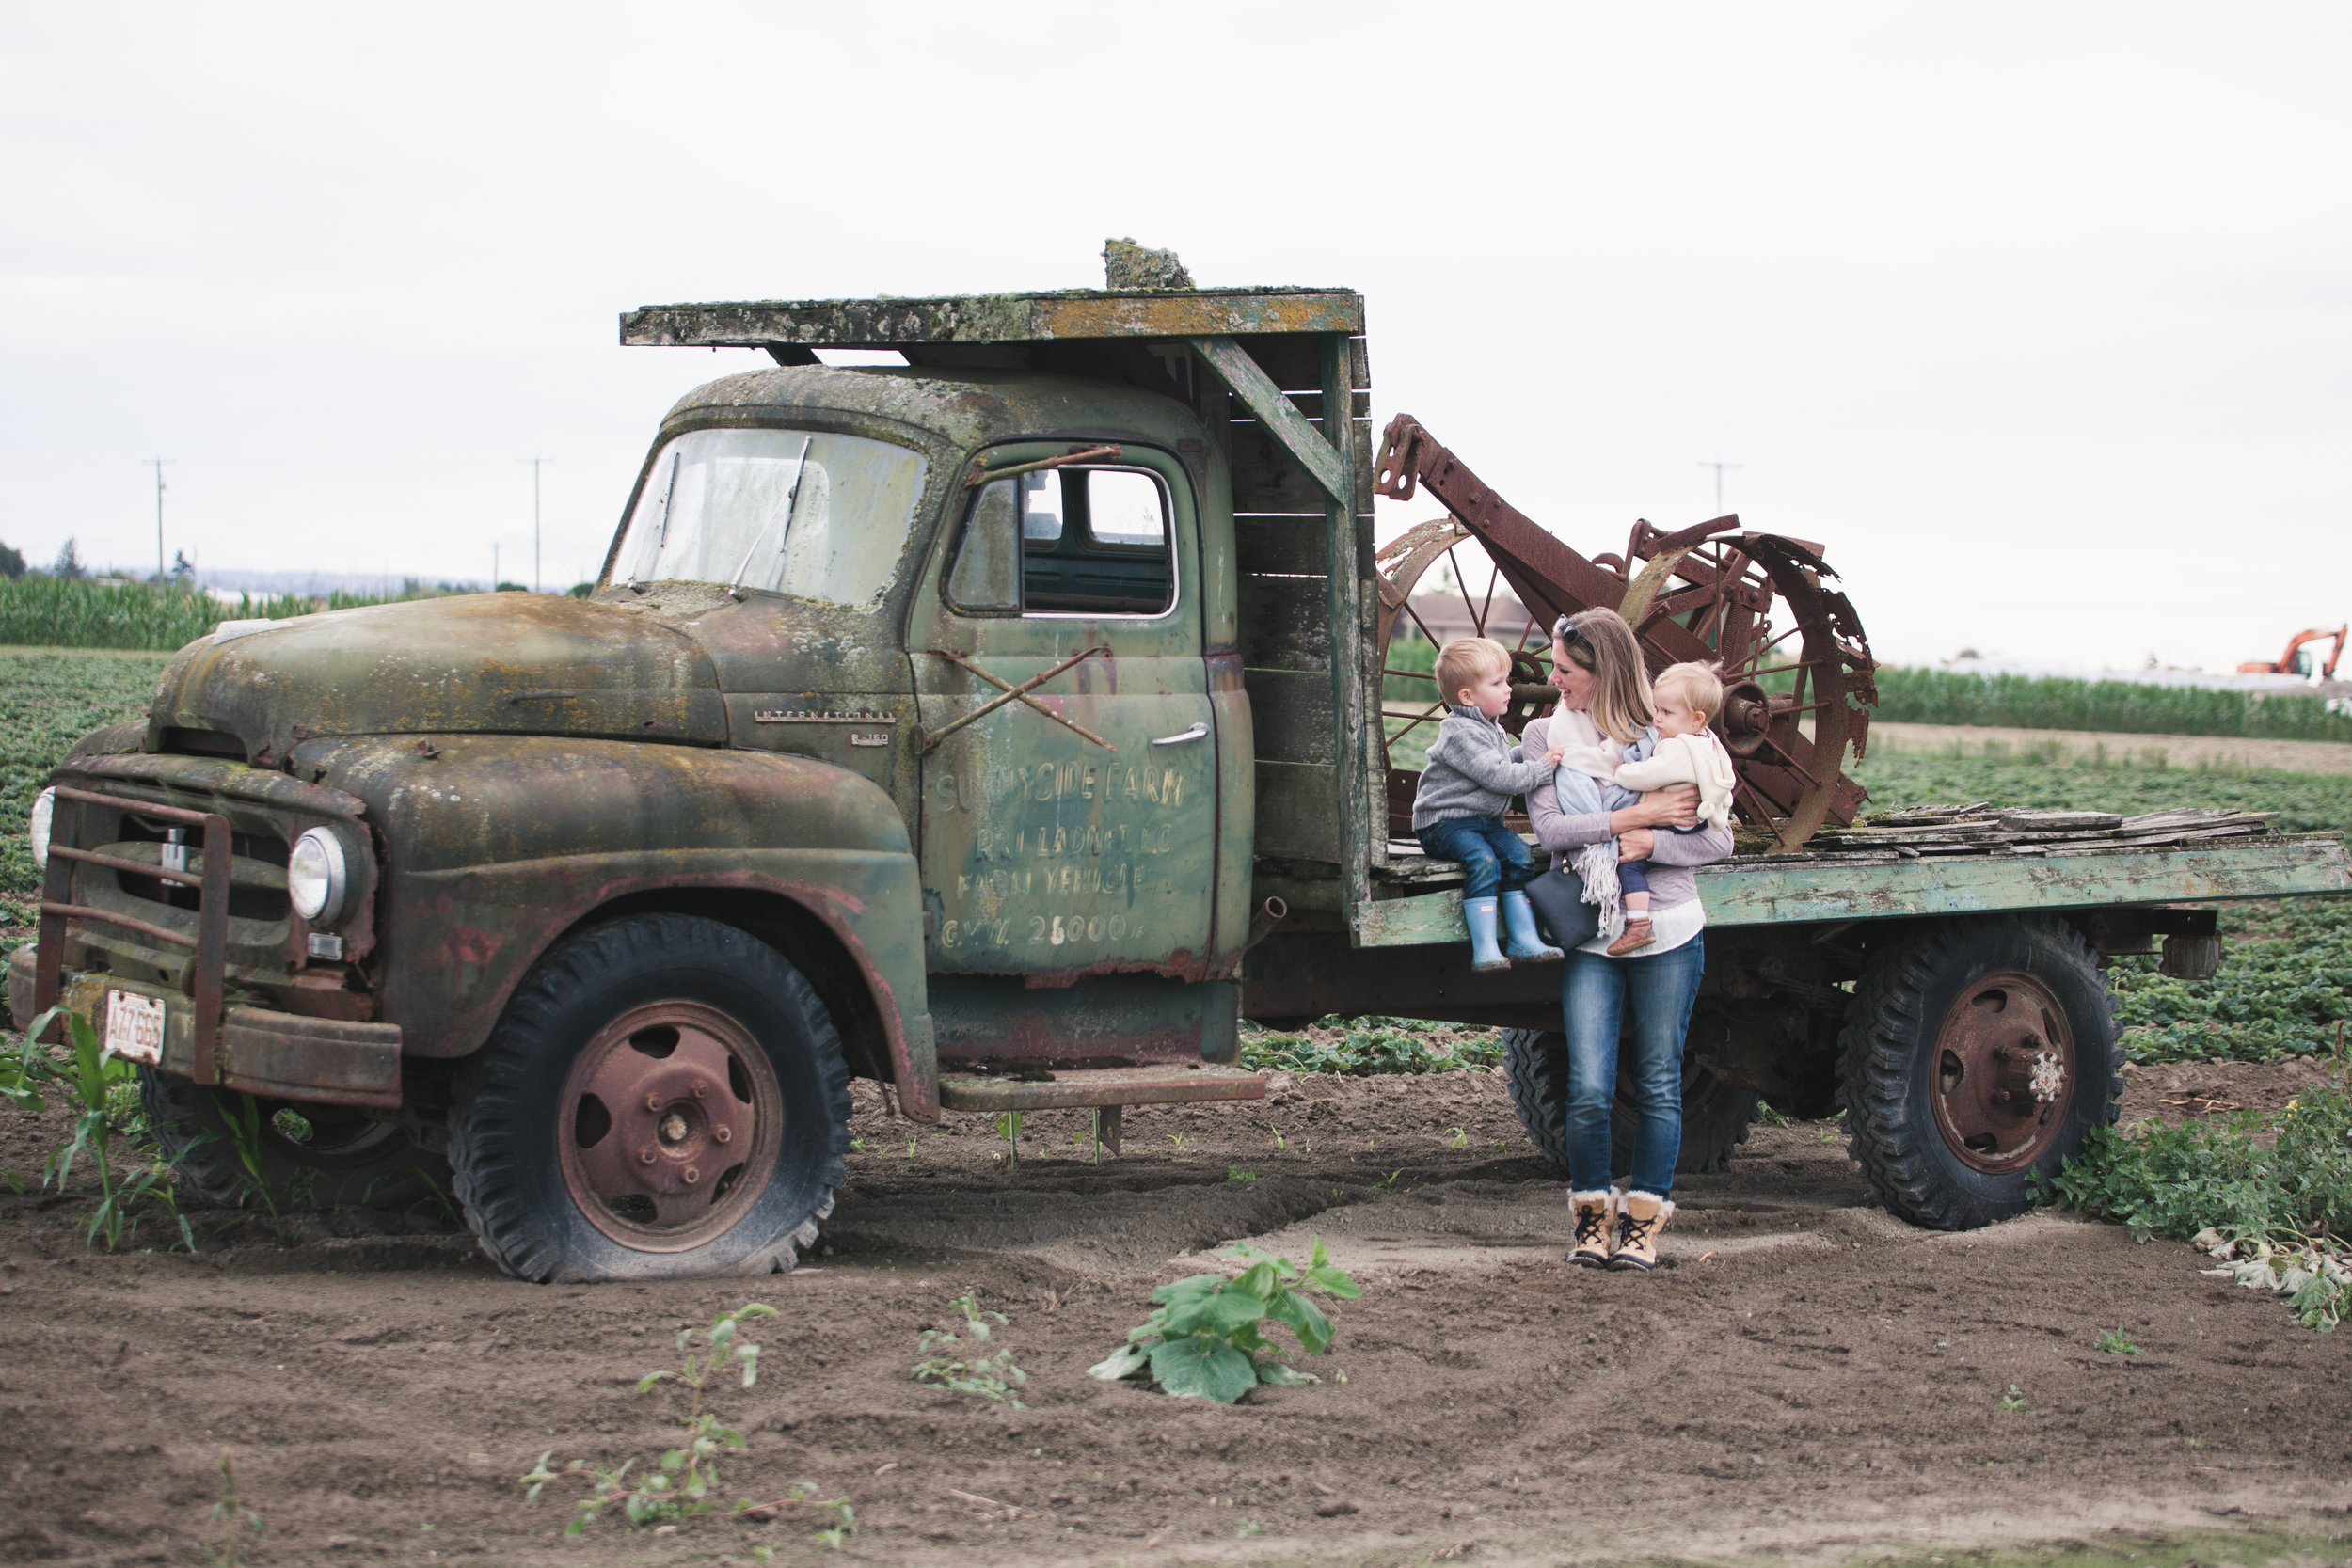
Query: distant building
{"type": "Point", "coordinates": [1446, 617]}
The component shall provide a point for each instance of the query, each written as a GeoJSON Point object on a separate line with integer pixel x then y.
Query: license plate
{"type": "Point", "coordinates": [135, 1026]}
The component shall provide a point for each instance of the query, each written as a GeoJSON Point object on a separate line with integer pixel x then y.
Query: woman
{"type": "Point", "coordinates": [1605, 700]}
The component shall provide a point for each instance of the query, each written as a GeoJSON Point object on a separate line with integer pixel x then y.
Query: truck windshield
{"type": "Point", "coordinates": [799, 512]}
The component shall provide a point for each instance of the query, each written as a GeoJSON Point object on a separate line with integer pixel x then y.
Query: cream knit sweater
{"type": "Point", "coordinates": [1697, 760]}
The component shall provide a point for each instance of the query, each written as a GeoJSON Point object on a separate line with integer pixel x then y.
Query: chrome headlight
{"type": "Point", "coordinates": [315, 876]}
{"type": "Point", "coordinates": [44, 812]}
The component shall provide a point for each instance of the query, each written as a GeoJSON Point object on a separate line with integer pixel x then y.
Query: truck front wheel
{"type": "Point", "coordinates": [664, 1097]}
{"type": "Point", "coordinates": [1976, 1053]}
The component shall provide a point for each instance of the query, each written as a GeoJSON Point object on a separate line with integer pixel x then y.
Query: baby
{"type": "Point", "coordinates": [1689, 696]}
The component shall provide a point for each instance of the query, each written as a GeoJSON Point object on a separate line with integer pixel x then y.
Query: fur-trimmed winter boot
{"type": "Point", "coordinates": [1640, 1217]}
{"type": "Point", "coordinates": [1594, 1213]}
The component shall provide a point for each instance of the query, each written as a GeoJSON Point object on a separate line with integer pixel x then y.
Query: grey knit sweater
{"type": "Point", "coordinates": [1474, 770]}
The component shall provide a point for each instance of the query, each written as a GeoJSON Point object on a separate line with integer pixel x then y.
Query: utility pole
{"type": "Point", "coordinates": [494, 566]}
{"type": "Point", "coordinates": [159, 463]}
{"type": "Point", "coordinates": [534, 463]}
{"type": "Point", "coordinates": [1719, 469]}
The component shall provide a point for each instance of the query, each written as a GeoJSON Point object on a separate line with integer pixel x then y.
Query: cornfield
{"type": "Point", "coordinates": [2049, 703]}
{"type": "Point", "coordinates": [66, 613]}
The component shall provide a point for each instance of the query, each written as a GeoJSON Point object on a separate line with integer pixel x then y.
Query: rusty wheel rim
{"type": "Point", "coordinates": [670, 1124]}
{"type": "Point", "coordinates": [2005, 1069]}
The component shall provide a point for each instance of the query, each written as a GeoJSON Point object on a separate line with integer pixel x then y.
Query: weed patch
{"type": "Point", "coordinates": [2269, 1196]}
{"type": "Point", "coordinates": [1363, 1047]}
{"type": "Point", "coordinates": [952, 1361]}
{"type": "Point", "coordinates": [2284, 990]}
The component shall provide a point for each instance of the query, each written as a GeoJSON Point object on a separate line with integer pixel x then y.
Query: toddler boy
{"type": "Point", "coordinates": [1688, 754]}
{"type": "Point", "coordinates": [1474, 770]}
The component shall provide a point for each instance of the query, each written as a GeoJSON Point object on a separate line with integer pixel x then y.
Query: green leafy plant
{"type": "Point", "coordinates": [241, 1116]}
{"type": "Point", "coordinates": [679, 1483]}
{"type": "Point", "coordinates": [1009, 1129]}
{"type": "Point", "coordinates": [2013, 1403]}
{"type": "Point", "coordinates": [1460, 1138]}
{"type": "Point", "coordinates": [1207, 1339]}
{"type": "Point", "coordinates": [1235, 1173]}
{"type": "Point", "coordinates": [2114, 1341]}
{"type": "Point", "coordinates": [949, 1359]}
{"type": "Point", "coordinates": [87, 1077]}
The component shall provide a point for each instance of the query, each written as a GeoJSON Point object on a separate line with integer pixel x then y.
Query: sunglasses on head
{"type": "Point", "coordinates": [1565, 631]}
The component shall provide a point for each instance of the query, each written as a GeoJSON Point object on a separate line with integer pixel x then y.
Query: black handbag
{"type": "Point", "coordinates": [1560, 913]}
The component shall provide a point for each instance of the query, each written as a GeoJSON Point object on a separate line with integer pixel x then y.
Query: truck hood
{"type": "Point", "coordinates": [517, 664]}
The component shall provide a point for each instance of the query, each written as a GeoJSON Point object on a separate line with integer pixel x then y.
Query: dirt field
{"type": "Point", "coordinates": [1806, 1377]}
{"type": "Point", "coordinates": [2170, 751]}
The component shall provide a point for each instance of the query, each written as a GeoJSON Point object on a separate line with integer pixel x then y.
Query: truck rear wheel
{"type": "Point", "coordinates": [312, 1156]}
{"type": "Point", "coordinates": [1715, 1116]}
{"type": "Point", "coordinates": [664, 1097]}
{"type": "Point", "coordinates": [1976, 1053]}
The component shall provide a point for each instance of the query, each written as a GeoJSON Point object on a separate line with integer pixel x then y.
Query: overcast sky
{"type": "Point", "coordinates": [2038, 316]}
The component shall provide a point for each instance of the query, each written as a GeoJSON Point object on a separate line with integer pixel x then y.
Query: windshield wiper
{"type": "Point", "coordinates": [661, 540]}
{"type": "Point", "coordinates": [792, 499]}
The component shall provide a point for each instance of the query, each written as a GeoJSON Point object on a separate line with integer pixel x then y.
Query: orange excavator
{"type": "Point", "coordinates": [2295, 661]}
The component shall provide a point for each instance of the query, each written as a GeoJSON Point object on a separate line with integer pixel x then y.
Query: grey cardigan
{"type": "Point", "coordinates": [1670, 863]}
{"type": "Point", "coordinates": [1474, 769]}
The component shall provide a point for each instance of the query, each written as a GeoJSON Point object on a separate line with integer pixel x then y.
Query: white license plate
{"type": "Point", "coordinates": [135, 1026]}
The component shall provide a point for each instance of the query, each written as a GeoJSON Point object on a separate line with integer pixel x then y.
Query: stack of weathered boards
{"type": "Point", "coordinates": [1920, 832]}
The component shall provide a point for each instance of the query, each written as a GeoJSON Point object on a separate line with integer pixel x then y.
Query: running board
{"type": "Point", "coordinates": [1098, 1087]}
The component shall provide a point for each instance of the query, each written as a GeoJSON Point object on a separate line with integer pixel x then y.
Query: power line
{"type": "Point", "coordinates": [1719, 469]}
{"type": "Point", "coordinates": [159, 463]}
{"type": "Point", "coordinates": [534, 463]}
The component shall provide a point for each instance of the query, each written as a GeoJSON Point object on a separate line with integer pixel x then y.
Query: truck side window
{"type": "Point", "coordinates": [1096, 542]}
{"type": "Point", "coordinates": [987, 574]}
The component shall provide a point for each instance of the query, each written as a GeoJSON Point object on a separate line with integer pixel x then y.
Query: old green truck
{"type": "Point", "coordinates": [1004, 727]}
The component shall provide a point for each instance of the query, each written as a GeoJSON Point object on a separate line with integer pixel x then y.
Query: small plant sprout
{"type": "Point", "coordinates": [1278, 1136]}
{"type": "Point", "coordinates": [1235, 1173]}
{"type": "Point", "coordinates": [1206, 1339]}
{"type": "Point", "coordinates": [1009, 1129]}
{"type": "Point", "coordinates": [680, 1482]}
{"type": "Point", "coordinates": [911, 1143]}
{"type": "Point", "coordinates": [2013, 1403]}
{"type": "Point", "coordinates": [242, 1117]}
{"type": "Point", "coordinates": [90, 1081]}
{"type": "Point", "coordinates": [1389, 1182]}
{"type": "Point", "coordinates": [1178, 1139]}
{"type": "Point", "coordinates": [2116, 1342]}
{"type": "Point", "coordinates": [231, 1514]}
{"type": "Point", "coordinates": [1461, 1138]}
{"type": "Point", "coordinates": [951, 1360]}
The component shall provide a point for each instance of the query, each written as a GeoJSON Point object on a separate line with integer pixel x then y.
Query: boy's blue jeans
{"type": "Point", "coordinates": [1594, 993]}
{"type": "Point", "coordinates": [1498, 860]}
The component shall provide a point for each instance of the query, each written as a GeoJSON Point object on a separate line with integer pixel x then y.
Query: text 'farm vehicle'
{"type": "Point", "coordinates": [1004, 727]}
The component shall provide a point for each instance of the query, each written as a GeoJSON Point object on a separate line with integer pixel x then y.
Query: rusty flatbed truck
{"type": "Point", "coordinates": [1005, 728]}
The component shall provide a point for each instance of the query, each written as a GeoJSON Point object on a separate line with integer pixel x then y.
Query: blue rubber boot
{"type": "Point", "coordinates": [1524, 945]}
{"type": "Point", "coordinates": [1479, 914]}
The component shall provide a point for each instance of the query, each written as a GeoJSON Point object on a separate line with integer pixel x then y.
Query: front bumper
{"type": "Point", "coordinates": [283, 1056]}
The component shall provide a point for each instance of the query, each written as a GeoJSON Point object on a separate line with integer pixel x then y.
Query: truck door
{"type": "Point", "coordinates": [1073, 827]}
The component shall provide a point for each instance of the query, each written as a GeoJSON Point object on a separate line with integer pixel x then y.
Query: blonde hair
{"type": "Point", "coordinates": [1465, 662]}
{"type": "Point", "coordinates": [1621, 706]}
{"type": "Point", "coordinates": [1701, 686]}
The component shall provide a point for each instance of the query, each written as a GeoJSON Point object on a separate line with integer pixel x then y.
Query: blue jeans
{"type": "Point", "coordinates": [1497, 859]}
{"type": "Point", "coordinates": [1594, 992]}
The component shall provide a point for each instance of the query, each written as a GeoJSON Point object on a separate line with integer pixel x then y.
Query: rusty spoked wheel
{"type": "Point", "coordinates": [666, 1096]}
{"type": "Point", "coordinates": [1976, 1053]}
{"type": "Point", "coordinates": [2004, 1071]}
{"type": "Point", "coordinates": [673, 1123]}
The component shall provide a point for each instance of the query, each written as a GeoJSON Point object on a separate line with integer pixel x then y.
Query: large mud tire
{"type": "Point", "coordinates": [334, 1158]}
{"type": "Point", "coordinates": [523, 1138]}
{"type": "Point", "coordinates": [1904, 1066]}
{"type": "Point", "coordinates": [1715, 1117]}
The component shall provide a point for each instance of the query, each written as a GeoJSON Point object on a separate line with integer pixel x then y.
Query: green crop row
{"type": "Point", "coordinates": [75, 612]}
{"type": "Point", "coordinates": [1911, 696]}
{"type": "Point", "coordinates": [48, 701]}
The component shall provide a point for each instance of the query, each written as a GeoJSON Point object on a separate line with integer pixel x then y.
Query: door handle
{"type": "Point", "coordinates": [1196, 732]}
